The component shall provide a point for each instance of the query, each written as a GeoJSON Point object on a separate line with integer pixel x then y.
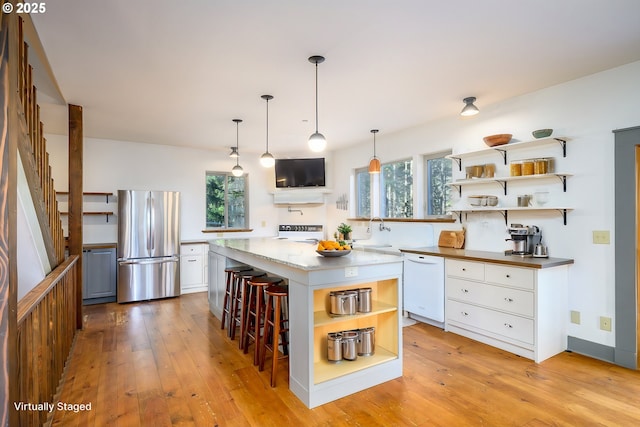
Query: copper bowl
{"type": "Point", "coordinates": [500, 139]}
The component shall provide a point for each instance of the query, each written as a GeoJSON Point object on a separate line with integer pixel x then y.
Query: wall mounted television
{"type": "Point", "coordinates": [295, 173]}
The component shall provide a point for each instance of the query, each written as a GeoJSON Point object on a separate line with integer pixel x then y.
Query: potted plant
{"type": "Point", "coordinates": [345, 231]}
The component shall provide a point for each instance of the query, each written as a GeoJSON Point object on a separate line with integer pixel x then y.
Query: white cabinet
{"type": "Point", "coordinates": [193, 267]}
{"type": "Point", "coordinates": [521, 310]}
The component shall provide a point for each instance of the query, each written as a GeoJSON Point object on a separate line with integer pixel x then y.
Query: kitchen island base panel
{"type": "Point", "coordinates": [346, 385]}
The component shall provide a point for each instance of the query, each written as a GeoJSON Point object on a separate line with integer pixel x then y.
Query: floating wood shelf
{"type": "Point", "coordinates": [106, 214]}
{"type": "Point", "coordinates": [88, 193]}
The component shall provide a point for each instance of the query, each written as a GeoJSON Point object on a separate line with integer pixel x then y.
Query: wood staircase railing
{"type": "Point", "coordinates": [33, 152]}
{"type": "Point", "coordinates": [45, 333]}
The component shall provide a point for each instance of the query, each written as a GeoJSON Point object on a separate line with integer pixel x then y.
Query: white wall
{"type": "Point", "coordinates": [110, 166]}
{"type": "Point", "coordinates": [584, 110]}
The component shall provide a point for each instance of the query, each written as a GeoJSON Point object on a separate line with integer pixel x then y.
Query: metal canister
{"type": "Point", "coordinates": [364, 300]}
{"type": "Point", "coordinates": [334, 346]}
{"type": "Point", "coordinates": [350, 345]}
{"type": "Point", "coordinates": [366, 341]}
{"type": "Point", "coordinates": [343, 302]}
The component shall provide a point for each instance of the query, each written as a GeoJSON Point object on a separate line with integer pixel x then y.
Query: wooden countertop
{"type": "Point", "coordinates": [99, 245]}
{"type": "Point", "coordinates": [485, 256]}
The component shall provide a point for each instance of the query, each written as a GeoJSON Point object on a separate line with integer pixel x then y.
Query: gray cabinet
{"type": "Point", "coordinates": [98, 274]}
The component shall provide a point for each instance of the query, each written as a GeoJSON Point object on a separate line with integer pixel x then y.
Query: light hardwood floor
{"type": "Point", "coordinates": [167, 363]}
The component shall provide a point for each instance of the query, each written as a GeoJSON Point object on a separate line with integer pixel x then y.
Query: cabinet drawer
{"type": "Point", "coordinates": [191, 249]}
{"type": "Point", "coordinates": [510, 276]}
{"type": "Point", "coordinates": [465, 269]}
{"type": "Point", "coordinates": [506, 299]}
{"type": "Point", "coordinates": [495, 322]}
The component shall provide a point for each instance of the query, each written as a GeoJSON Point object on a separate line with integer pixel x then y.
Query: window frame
{"type": "Point", "coordinates": [376, 186]}
{"type": "Point", "coordinates": [426, 185]}
{"type": "Point", "coordinates": [226, 226]}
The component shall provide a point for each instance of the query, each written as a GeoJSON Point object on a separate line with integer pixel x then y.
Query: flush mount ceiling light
{"type": "Point", "coordinates": [374, 164]}
{"type": "Point", "coordinates": [237, 169]}
{"type": "Point", "coordinates": [317, 142]}
{"type": "Point", "coordinates": [469, 109]}
{"type": "Point", "coordinates": [234, 152]}
{"type": "Point", "coordinates": [267, 159]}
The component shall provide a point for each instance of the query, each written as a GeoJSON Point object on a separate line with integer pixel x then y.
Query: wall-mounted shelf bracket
{"type": "Point", "coordinates": [504, 154]}
{"type": "Point", "coordinates": [563, 178]}
{"type": "Point", "coordinates": [458, 160]}
{"type": "Point", "coordinates": [563, 212]}
{"type": "Point", "coordinates": [563, 144]}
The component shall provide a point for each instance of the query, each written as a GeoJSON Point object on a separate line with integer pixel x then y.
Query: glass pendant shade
{"type": "Point", "coordinates": [469, 109]}
{"type": "Point", "coordinates": [374, 165]}
{"type": "Point", "coordinates": [267, 160]}
{"type": "Point", "coordinates": [237, 170]}
{"type": "Point", "coordinates": [317, 142]}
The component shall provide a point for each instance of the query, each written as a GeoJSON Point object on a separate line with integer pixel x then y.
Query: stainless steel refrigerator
{"type": "Point", "coordinates": [148, 245]}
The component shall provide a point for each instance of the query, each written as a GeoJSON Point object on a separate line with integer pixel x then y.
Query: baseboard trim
{"type": "Point", "coordinates": [591, 349]}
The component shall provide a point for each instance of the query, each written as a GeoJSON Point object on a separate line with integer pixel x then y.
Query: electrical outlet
{"type": "Point", "coordinates": [601, 237]}
{"type": "Point", "coordinates": [350, 271]}
{"type": "Point", "coordinates": [605, 323]}
{"type": "Point", "coordinates": [575, 317]}
{"type": "Point", "coordinates": [263, 224]}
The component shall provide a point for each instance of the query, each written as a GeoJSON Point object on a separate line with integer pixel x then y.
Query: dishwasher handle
{"type": "Point", "coordinates": [423, 260]}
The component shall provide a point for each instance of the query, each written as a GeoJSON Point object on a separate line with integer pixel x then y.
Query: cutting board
{"type": "Point", "coordinates": [451, 239]}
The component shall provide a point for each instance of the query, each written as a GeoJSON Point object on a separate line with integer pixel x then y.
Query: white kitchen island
{"type": "Point", "coordinates": [311, 277]}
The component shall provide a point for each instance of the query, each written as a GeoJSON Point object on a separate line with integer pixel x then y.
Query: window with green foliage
{"type": "Point", "coordinates": [396, 185]}
{"type": "Point", "coordinates": [437, 193]}
{"type": "Point", "coordinates": [363, 192]}
{"type": "Point", "coordinates": [226, 200]}
{"type": "Point", "coordinates": [391, 191]}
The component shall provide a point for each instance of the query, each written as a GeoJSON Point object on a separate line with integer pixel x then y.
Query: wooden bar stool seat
{"type": "Point", "coordinates": [254, 310]}
{"type": "Point", "coordinates": [237, 302]}
{"type": "Point", "coordinates": [228, 293]}
{"type": "Point", "coordinates": [276, 327]}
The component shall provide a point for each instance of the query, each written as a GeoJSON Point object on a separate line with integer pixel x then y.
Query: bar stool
{"type": "Point", "coordinates": [228, 293]}
{"type": "Point", "coordinates": [276, 315]}
{"type": "Point", "coordinates": [237, 302]}
{"type": "Point", "coordinates": [254, 318]}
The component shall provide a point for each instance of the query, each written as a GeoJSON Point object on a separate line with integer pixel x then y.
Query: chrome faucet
{"type": "Point", "coordinates": [382, 226]}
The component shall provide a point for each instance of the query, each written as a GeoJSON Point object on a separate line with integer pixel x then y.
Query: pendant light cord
{"type": "Point", "coordinates": [267, 125]}
{"type": "Point", "coordinates": [237, 138]}
{"type": "Point", "coordinates": [316, 96]}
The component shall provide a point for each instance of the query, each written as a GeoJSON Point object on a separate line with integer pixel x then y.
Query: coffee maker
{"type": "Point", "coordinates": [524, 238]}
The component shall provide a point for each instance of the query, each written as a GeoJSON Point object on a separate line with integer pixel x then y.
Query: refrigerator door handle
{"type": "Point", "coordinates": [148, 222]}
{"type": "Point", "coordinates": [148, 261]}
{"type": "Point", "coordinates": [153, 221]}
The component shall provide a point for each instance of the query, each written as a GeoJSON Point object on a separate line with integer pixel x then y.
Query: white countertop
{"type": "Point", "coordinates": [303, 255]}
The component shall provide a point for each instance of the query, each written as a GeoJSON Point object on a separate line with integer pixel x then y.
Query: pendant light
{"type": "Point", "coordinates": [267, 159]}
{"type": "Point", "coordinates": [317, 142]}
{"type": "Point", "coordinates": [237, 169]}
{"type": "Point", "coordinates": [374, 163]}
{"type": "Point", "coordinates": [469, 109]}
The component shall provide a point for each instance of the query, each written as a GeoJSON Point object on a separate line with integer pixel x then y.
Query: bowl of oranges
{"type": "Point", "coordinates": [333, 248]}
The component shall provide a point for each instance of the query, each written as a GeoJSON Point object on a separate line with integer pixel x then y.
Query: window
{"type": "Point", "coordinates": [396, 184]}
{"type": "Point", "coordinates": [363, 193]}
{"type": "Point", "coordinates": [226, 200]}
{"type": "Point", "coordinates": [437, 193]}
{"type": "Point", "coordinates": [388, 194]}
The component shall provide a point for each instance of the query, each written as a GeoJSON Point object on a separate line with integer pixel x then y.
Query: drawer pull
{"type": "Point", "coordinates": [465, 291]}
{"type": "Point", "coordinates": [508, 325]}
{"type": "Point", "coordinates": [191, 260]}
{"type": "Point", "coordinates": [464, 269]}
{"type": "Point", "coordinates": [508, 276]}
{"type": "Point", "coordinates": [464, 313]}
{"type": "Point", "coordinates": [507, 299]}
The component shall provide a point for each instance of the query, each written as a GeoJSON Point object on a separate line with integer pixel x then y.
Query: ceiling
{"type": "Point", "coordinates": [178, 72]}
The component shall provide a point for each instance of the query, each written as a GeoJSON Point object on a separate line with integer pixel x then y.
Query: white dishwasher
{"type": "Point", "coordinates": [424, 288]}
